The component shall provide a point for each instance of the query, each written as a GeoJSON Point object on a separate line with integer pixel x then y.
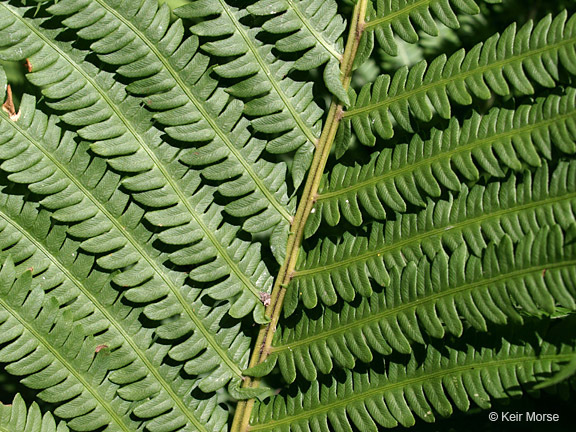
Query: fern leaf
{"type": "Point", "coordinates": [138, 375]}
{"type": "Point", "coordinates": [17, 417]}
{"type": "Point", "coordinates": [502, 64]}
{"type": "Point", "coordinates": [479, 214]}
{"type": "Point", "coordinates": [107, 118]}
{"type": "Point", "coordinates": [28, 237]}
{"type": "Point", "coordinates": [312, 28]}
{"type": "Point", "coordinates": [491, 143]}
{"type": "Point", "coordinates": [152, 212]}
{"type": "Point", "coordinates": [431, 297]}
{"type": "Point", "coordinates": [278, 105]}
{"type": "Point", "coordinates": [402, 18]}
{"type": "Point", "coordinates": [430, 382]}
{"type": "Point", "coordinates": [64, 368]}
{"type": "Point", "coordinates": [104, 232]}
{"type": "Point", "coordinates": [174, 79]}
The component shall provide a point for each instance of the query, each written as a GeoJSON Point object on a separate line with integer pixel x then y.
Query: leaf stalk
{"type": "Point", "coordinates": [308, 199]}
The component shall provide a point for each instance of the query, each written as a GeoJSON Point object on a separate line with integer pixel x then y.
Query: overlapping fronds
{"type": "Point", "coordinates": [82, 279]}
{"type": "Point", "coordinates": [138, 375]}
{"type": "Point", "coordinates": [479, 214]}
{"type": "Point", "coordinates": [173, 78]}
{"type": "Point", "coordinates": [36, 155]}
{"type": "Point", "coordinates": [55, 356]}
{"type": "Point", "coordinates": [402, 18]}
{"type": "Point", "coordinates": [503, 64]}
{"type": "Point", "coordinates": [17, 417]}
{"type": "Point", "coordinates": [153, 212]}
{"type": "Point", "coordinates": [278, 105]}
{"type": "Point", "coordinates": [407, 174]}
{"type": "Point", "coordinates": [431, 297]}
{"type": "Point", "coordinates": [122, 133]}
{"type": "Point", "coordinates": [113, 331]}
{"type": "Point", "coordinates": [430, 382]}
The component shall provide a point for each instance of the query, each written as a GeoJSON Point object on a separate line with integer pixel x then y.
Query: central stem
{"type": "Point", "coordinates": [264, 340]}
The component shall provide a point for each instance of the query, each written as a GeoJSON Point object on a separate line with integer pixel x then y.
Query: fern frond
{"type": "Point", "coordinates": [278, 105]}
{"type": "Point", "coordinates": [311, 27]}
{"type": "Point", "coordinates": [433, 380]}
{"type": "Point", "coordinates": [17, 417]}
{"type": "Point", "coordinates": [490, 143]}
{"type": "Point", "coordinates": [152, 212]}
{"type": "Point", "coordinates": [173, 78]}
{"type": "Point", "coordinates": [36, 153]}
{"type": "Point", "coordinates": [479, 214]}
{"type": "Point", "coordinates": [55, 356]}
{"type": "Point", "coordinates": [390, 18]}
{"type": "Point", "coordinates": [138, 375]}
{"type": "Point", "coordinates": [72, 277]}
{"type": "Point", "coordinates": [502, 64]}
{"type": "Point", "coordinates": [431, 297]}
{"type": "Point", "coordinates": [120, 132]}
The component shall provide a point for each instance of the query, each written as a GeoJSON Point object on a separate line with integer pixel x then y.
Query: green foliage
{"type": "Point", "coordinates": [17, 417]}
{"type": "Point", "coordinates": [435, 298]}
{"type": "Point", "coordinates": [478, 215]}
{"type": "Point", "coordinates": [494, 142]}
{"type": "Point", "coordinates": [394, 208]}
{"type": "Point", "coordinates": [401, 18]}
{"type": "Point", "coordinates": [502, 64]}
{"type": "Point", "coordinates": [432, 381]}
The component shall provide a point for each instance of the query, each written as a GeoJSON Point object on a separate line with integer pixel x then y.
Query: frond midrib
{"type": "Point", "coordinates": [345, 401]}
{"type": "Point", "coordinates": [121, 229]}
{"type": "Point", "coordinates": [71, 369]}
{"type": "Point", "coordinates": [391, 16]}
{"type": "Point", "coordinates": [264, 66]}
{"type": "Point", "coordinates": [313, 31]}
{"type": "Point", "coordinates": [265, 336]}
{"type": "Point", "coordinates": [135, 348]}
{"type": "Point", "coordinates": [221, 250]}
{"type": "Point", "coordinates": [247, 167]}
{"type": "Point", "coordinates": [432, 298]}
{"type": "Point", "coordinates": [389, 100]}
{"type": "Point", "coordinates": [440, 156]}
{"type": "Point", "coordinates": [436, 231]}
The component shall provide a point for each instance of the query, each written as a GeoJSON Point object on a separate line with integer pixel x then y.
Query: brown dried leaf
{"type": "Point", "coordinates": [8, 106]}
{"type": "Point", "coordinates": [28, 65]}
{"type": "Point", "coordinates": [99, 348]}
